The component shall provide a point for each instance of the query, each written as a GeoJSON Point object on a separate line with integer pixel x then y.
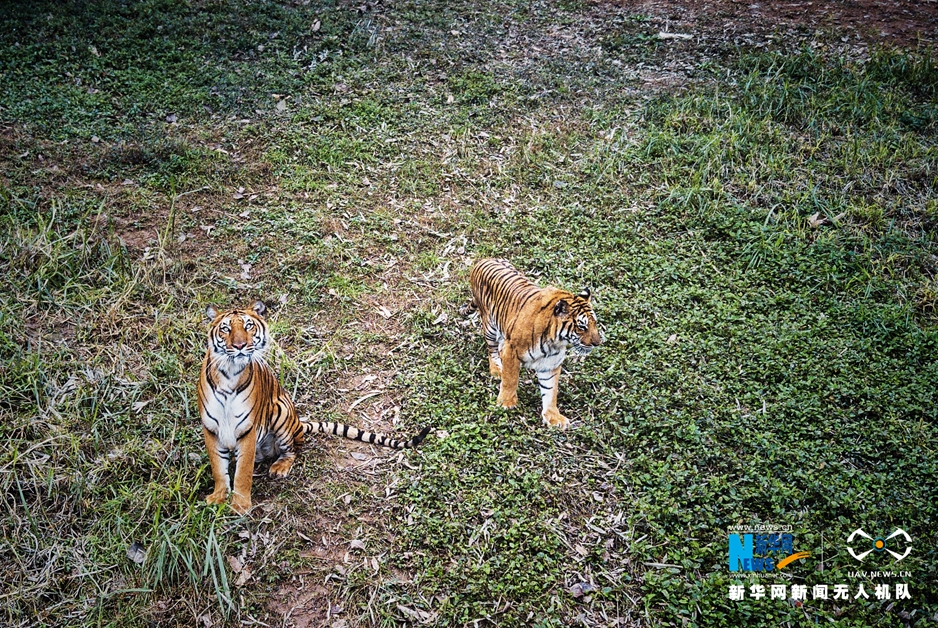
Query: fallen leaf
{"type": "Point", "coordinates": [663, 35]}
{"type": "Point", "coordinates": [385, 312]}
{"type": "Point", "coordinates": [235, 563]}
{"type": "Point", "coordinates": [135, 553]}
{"type": "Point", "coordinates": [171, 118]}
{"type": "Point", "coordinates": [358, 455]}
{"type": "Point", "coordinates": [422, 616]}
{"type": "Point", "coordinates": [94, 51]}
{"type": "Point", "coordinates": [357, 544]}
{"type": "Point", "coordinates": [582, 551]}
{"type": "Point", "coordinates": [374, 564]}
{"type": "Point", "coordinates": [127, 182]}
{"type": "Point", "coordinates": [95, 139]}
{"type": "Point", "coordinates": [137, 406]}
{"type": "Point", "coordinates": [672, 339]}
{"type": "Point", "coordinates": [442, 318]}
{"type": "Point", "coordinates": [207, 228]}
{"type": "Point", "coordinates": [815, 220]}
{"type": "Point", "coordinates": [355, 403]}
{"type": "Point", "coordinates": [243, 577]}
{"type": "Point", "coordinates": [245, 271]}
{"type": "Point", "coordinates": [281, 105]}
{"type": "Point", "coordinates": [206, 620]}
{"type": "Point", "coordinates": [580, 589]}
{"type": "Point", "coordinates": [316, 26]}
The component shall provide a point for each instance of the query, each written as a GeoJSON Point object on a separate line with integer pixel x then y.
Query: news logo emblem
{"type": "Point", "coordinates": [879, 544]}
{"type": "Point", "coordinates": [762, 552]}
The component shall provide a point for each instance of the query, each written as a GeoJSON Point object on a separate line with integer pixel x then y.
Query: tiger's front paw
{"type": "Point", "coordinates": [507, 400]}
{"type": "Point", "coordinates": [495, 370]}
{"type": "Point", "coordinates": [555, 419]}
{"type": "Point", "coordinates": [218, 497]}
{"type": "Point", "coordinates": [241, 506]}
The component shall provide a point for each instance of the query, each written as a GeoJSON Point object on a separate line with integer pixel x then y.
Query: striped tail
{"type": "Point", "coordinates": [353, 433]}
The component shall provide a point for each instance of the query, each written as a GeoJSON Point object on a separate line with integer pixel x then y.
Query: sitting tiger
{"type": "Point", "coordinates": [246, 412]}
{"type": "Point", "coordinates": [524, 324]}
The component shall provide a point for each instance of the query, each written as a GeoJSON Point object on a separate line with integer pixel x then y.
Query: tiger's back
{"type": "Point", "coordinates": [499, 290]}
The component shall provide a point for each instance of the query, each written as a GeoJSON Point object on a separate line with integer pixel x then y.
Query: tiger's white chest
{"type": "Point", "coordinates": [232, 415]}
{"type": "Point", "coordinates": [227, 413]}
{"type": "Point", "coordinates": [547, 360]}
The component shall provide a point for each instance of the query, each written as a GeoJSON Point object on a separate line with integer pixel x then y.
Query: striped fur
{"type": "Point", "coordinates": [247, 413]}
{"type": "Point", "coordinates": [530, 326]}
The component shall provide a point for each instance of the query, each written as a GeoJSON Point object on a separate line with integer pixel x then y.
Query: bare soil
{"type": "Point", "coordinates": [900, 22]}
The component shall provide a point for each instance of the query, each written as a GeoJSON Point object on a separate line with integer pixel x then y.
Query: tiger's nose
{"type": "Point", "coordinates": [238, 344]}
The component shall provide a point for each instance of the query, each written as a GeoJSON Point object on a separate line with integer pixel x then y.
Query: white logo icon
{"type": "Point", "coordinates": [879, 544]}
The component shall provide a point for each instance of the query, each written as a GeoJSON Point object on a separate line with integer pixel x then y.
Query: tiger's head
{"type": "Point", "coordinates": [238, 335]}
{"type": "Point", "coordinates": [576, 322]}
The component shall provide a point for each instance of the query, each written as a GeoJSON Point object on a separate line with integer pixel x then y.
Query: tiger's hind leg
{"type": "Point", "coordinates": [287, 456]}
{"type": "Point", "coordinates": [468, 309]}
{"type": "Point", "coordinates": [494, 340]}
{"type": "Point", "coordinates": [285, 447]}
{"type": "Point", "coordinates": [282, 465]}
{"type": "Point", "coordinates": [511, 368]}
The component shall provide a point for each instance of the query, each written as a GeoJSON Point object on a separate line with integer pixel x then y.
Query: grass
{"type": "Point", "coordinates": [760, 239]}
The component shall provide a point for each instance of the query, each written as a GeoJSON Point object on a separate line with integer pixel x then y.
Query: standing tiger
{"type": "Point", "coordinates": [246, 412]}
{"type": "Point", "coordinates": [530, 326]}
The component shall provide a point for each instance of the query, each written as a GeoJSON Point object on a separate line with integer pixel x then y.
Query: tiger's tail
{"type": "Point", "coordinates": [353, 433]}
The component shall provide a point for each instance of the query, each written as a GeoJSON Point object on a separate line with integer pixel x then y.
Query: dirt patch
{"type": "Point", "coordinates": [899, 22]}
{"type": "Point", "coordinates": [302, 604]}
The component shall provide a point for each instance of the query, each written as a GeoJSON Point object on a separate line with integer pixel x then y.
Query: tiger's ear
{"type": "Point", "coordinates": [211, 312]}
{"type": "Point", "coordinates": [562, 308]}
{"type": "Point", "coordinates": [259, 307]}
{"type": "Point", "coordinates": [585, 293]}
